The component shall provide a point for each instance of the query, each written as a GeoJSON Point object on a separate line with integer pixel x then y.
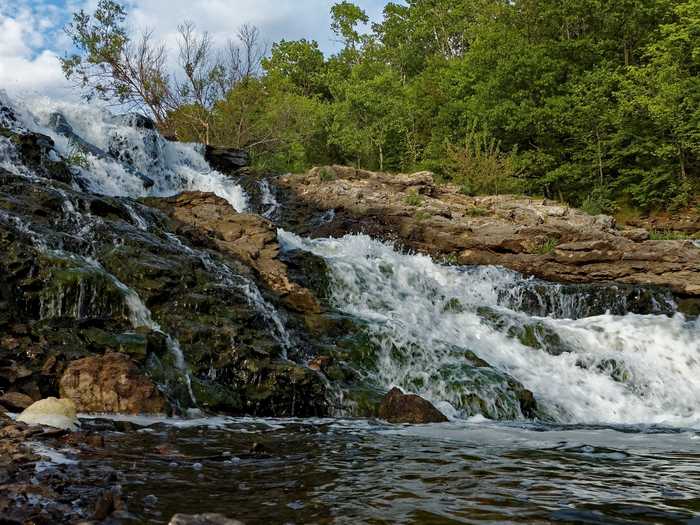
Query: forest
{"type": "Point", "coordinates": [592, 102]}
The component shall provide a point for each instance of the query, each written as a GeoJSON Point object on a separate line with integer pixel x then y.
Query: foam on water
{"type": "Point", "coordinates": [405, 299]}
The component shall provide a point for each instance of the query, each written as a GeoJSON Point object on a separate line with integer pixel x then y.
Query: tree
{"type": "Point", "coordinates": [112, 66]}
{"type": "Point", "coordinates": [301, 63]}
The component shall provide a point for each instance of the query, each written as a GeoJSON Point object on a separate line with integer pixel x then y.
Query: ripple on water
{"type": "Point", "coordinates": [345, 471]}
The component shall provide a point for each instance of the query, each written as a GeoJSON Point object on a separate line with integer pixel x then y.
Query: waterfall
{"type": "Point", "coordinates": [606, 368]}
{"type": "Point", "coordinates": [121, 155]}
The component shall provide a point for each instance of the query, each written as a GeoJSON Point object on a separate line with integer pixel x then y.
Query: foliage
{"type": "Point", "coordinates": [669, 235]}
{"type": "Point", "coordinates": [76, 157]}
{"type": "Point", "coordinates": [413, 199]}
{"type": "Point", "coordinates": [547, 247]}
{"type": "Point", "coordinates": [590, 102]}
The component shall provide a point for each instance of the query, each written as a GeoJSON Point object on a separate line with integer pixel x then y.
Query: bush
{"type": "Point", "coordinates": [481, 168]}
{"type": "Point", "coordinates": [413, 199]}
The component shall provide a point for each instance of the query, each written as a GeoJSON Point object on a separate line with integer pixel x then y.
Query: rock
{"type": "Point", "coordinates": [134, 120]}
{"type": "Point", "coordinates": [51, 412]}
{"type": "Point", "coordinates": [111, 383]}
{"type": "Point", "coordinates": [202, 519]}
{"type": "Point", "coordinates": [534, 237]}
{"type": "Point", "coordinates": [226, 160]}
{"type": "Point", "coordinates": [249, 238]}
{"type": "Point", "coordinates": [398, 407]}
{"type": "Point", "coordinates": [15, 401]}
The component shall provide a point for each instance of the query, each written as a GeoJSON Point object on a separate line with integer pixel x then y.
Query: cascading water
{"type": "Point", "coordinates": [604, 369]}
{"type": "Point", "coordinates": [584, 365]}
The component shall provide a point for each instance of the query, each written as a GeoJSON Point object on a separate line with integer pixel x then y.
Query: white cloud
{"type": "Point", "coordinates": [31, 36]}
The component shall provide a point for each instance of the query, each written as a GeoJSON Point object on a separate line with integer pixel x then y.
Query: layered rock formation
{"type": "Point", "coordinates": [533, 236]}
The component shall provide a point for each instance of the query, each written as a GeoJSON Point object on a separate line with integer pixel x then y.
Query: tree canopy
{"type": "Point", "coordinates": [592, 101]}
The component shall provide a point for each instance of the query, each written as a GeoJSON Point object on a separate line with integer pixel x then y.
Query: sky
{"type": "Point", "coordinates": [32, 37]}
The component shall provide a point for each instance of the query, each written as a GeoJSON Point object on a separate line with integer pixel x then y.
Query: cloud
{"type": "Point", "coordinates": [32, 39]}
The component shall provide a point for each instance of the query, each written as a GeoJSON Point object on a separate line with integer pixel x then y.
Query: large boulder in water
{"type": "Point", "coordinates": [398, 407]}
{"type": "Point", "coordinates": [226, 160]}
{"type": "Point", "coordinates": [110, 383]}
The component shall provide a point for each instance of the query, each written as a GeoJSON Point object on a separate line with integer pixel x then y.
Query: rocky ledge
{"type": "Point", "coordinates": [533, 236]}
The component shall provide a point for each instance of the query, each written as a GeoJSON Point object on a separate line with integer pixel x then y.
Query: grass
{"type": "Point", "coordinates": [477, 212]}
{"type": "Point", "coordinates": [669, 235]}
{"type": "Point", "coordinates": [327, 175]}
{"type": "Point", "coordinates": [422, 215]}
{"type": "Point", "coordinates": [413, 199]}
{"type": "Point", "coordinates": [547, 246]}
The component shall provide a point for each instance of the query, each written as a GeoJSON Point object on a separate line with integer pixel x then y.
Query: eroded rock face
{"type": "Point", "coordinates": [249, 238]}
{"type": "Point", "coordinates": [111, 383]}
{"type": "Point", "coordinates": [398, 407]}
{"type": "Point", "coordinates": [535, 237]}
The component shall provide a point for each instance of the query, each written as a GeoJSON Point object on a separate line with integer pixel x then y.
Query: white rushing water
{"type": "Point", "coordinates": [630, 369]}
{"type": "Point", "coordinates": [173, 167]}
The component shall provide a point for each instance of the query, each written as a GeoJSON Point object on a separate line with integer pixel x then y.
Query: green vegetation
{"type": "Point", "coordinates": [326, 175]}
{"type": "Point", "coordinates": [669, 235]}
{"type": "Point", "coordinates": [77, 157]}
{"type": "Point", "coordinates": [476, 211]}
{"type": "Point", "coordinates": [594, 103]}
{"type": "Point", "coordinates": [547, 247]}
{"type": "Point", "coordinates": [413, 199]}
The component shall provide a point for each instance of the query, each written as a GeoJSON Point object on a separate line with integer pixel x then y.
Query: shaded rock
{"type": "Point", "coordinates": [398, 407]}
{"type": "Point", "coordinates": [202, 519]}
{"type": "Point", "coordinates": [111, 383]}
{"type": "Point", "coordinates": [226, 160]}
{"type": "Point", "coordinates": [51, 412]}
{"type": "Point", "coordinates": [15, 401]}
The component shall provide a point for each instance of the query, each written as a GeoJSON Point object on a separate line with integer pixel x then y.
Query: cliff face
{"type": "Point", "coordinates": [535, 237]}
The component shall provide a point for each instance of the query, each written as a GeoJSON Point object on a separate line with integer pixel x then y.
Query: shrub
{"type": "Point", "coordinates": [480, 167]}
{"type": "Point", "coordinates": [327, 175]}
{"type": "Point", "coordinates": [547, 246]}
{"type": "Point", "coordinates": [413, 199]}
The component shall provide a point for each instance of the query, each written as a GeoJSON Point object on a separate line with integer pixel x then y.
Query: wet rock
{"type": "Point", "coordinates": [535, 237]}
{"type": "Point", "coordinates": [111, 383]}
{"type": "Point", "coordinates": [398, 407]}
{"type": "Point", "coordinates": [51, 412]}
{"type": "Point", "coordinates": [203, 519]}
{"type": "Point", "coordinates": [37, 152]}
{"type": "Point", "coordinates": [15, 401]}
{"type": "Point", "coordinates": [249, 238]}
{"type": "Point", "coordinates": [226, 160]}
{"type": "Point", "coordinates": [109, 502]}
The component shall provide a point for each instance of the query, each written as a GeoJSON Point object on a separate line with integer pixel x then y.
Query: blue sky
{"type": "Point", "coordinates": [31, 36]}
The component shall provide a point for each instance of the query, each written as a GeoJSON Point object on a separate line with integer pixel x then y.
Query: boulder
{"type": "Point", "coordinates": [51, 412]}
{"type": "Point", "coordinates": [15, 401]}
{"type": "Point", "coordinates": [202, 519]}
{"type": "Point", "coordinates": [111, 383]}
{"type": "Point", "coordinates": [226, 160]}
{"type": "Point", "coordinates": [398, 407]}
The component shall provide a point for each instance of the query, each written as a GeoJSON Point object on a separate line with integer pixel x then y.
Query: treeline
{"type": "Point", "coordinates": [596, 102]}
